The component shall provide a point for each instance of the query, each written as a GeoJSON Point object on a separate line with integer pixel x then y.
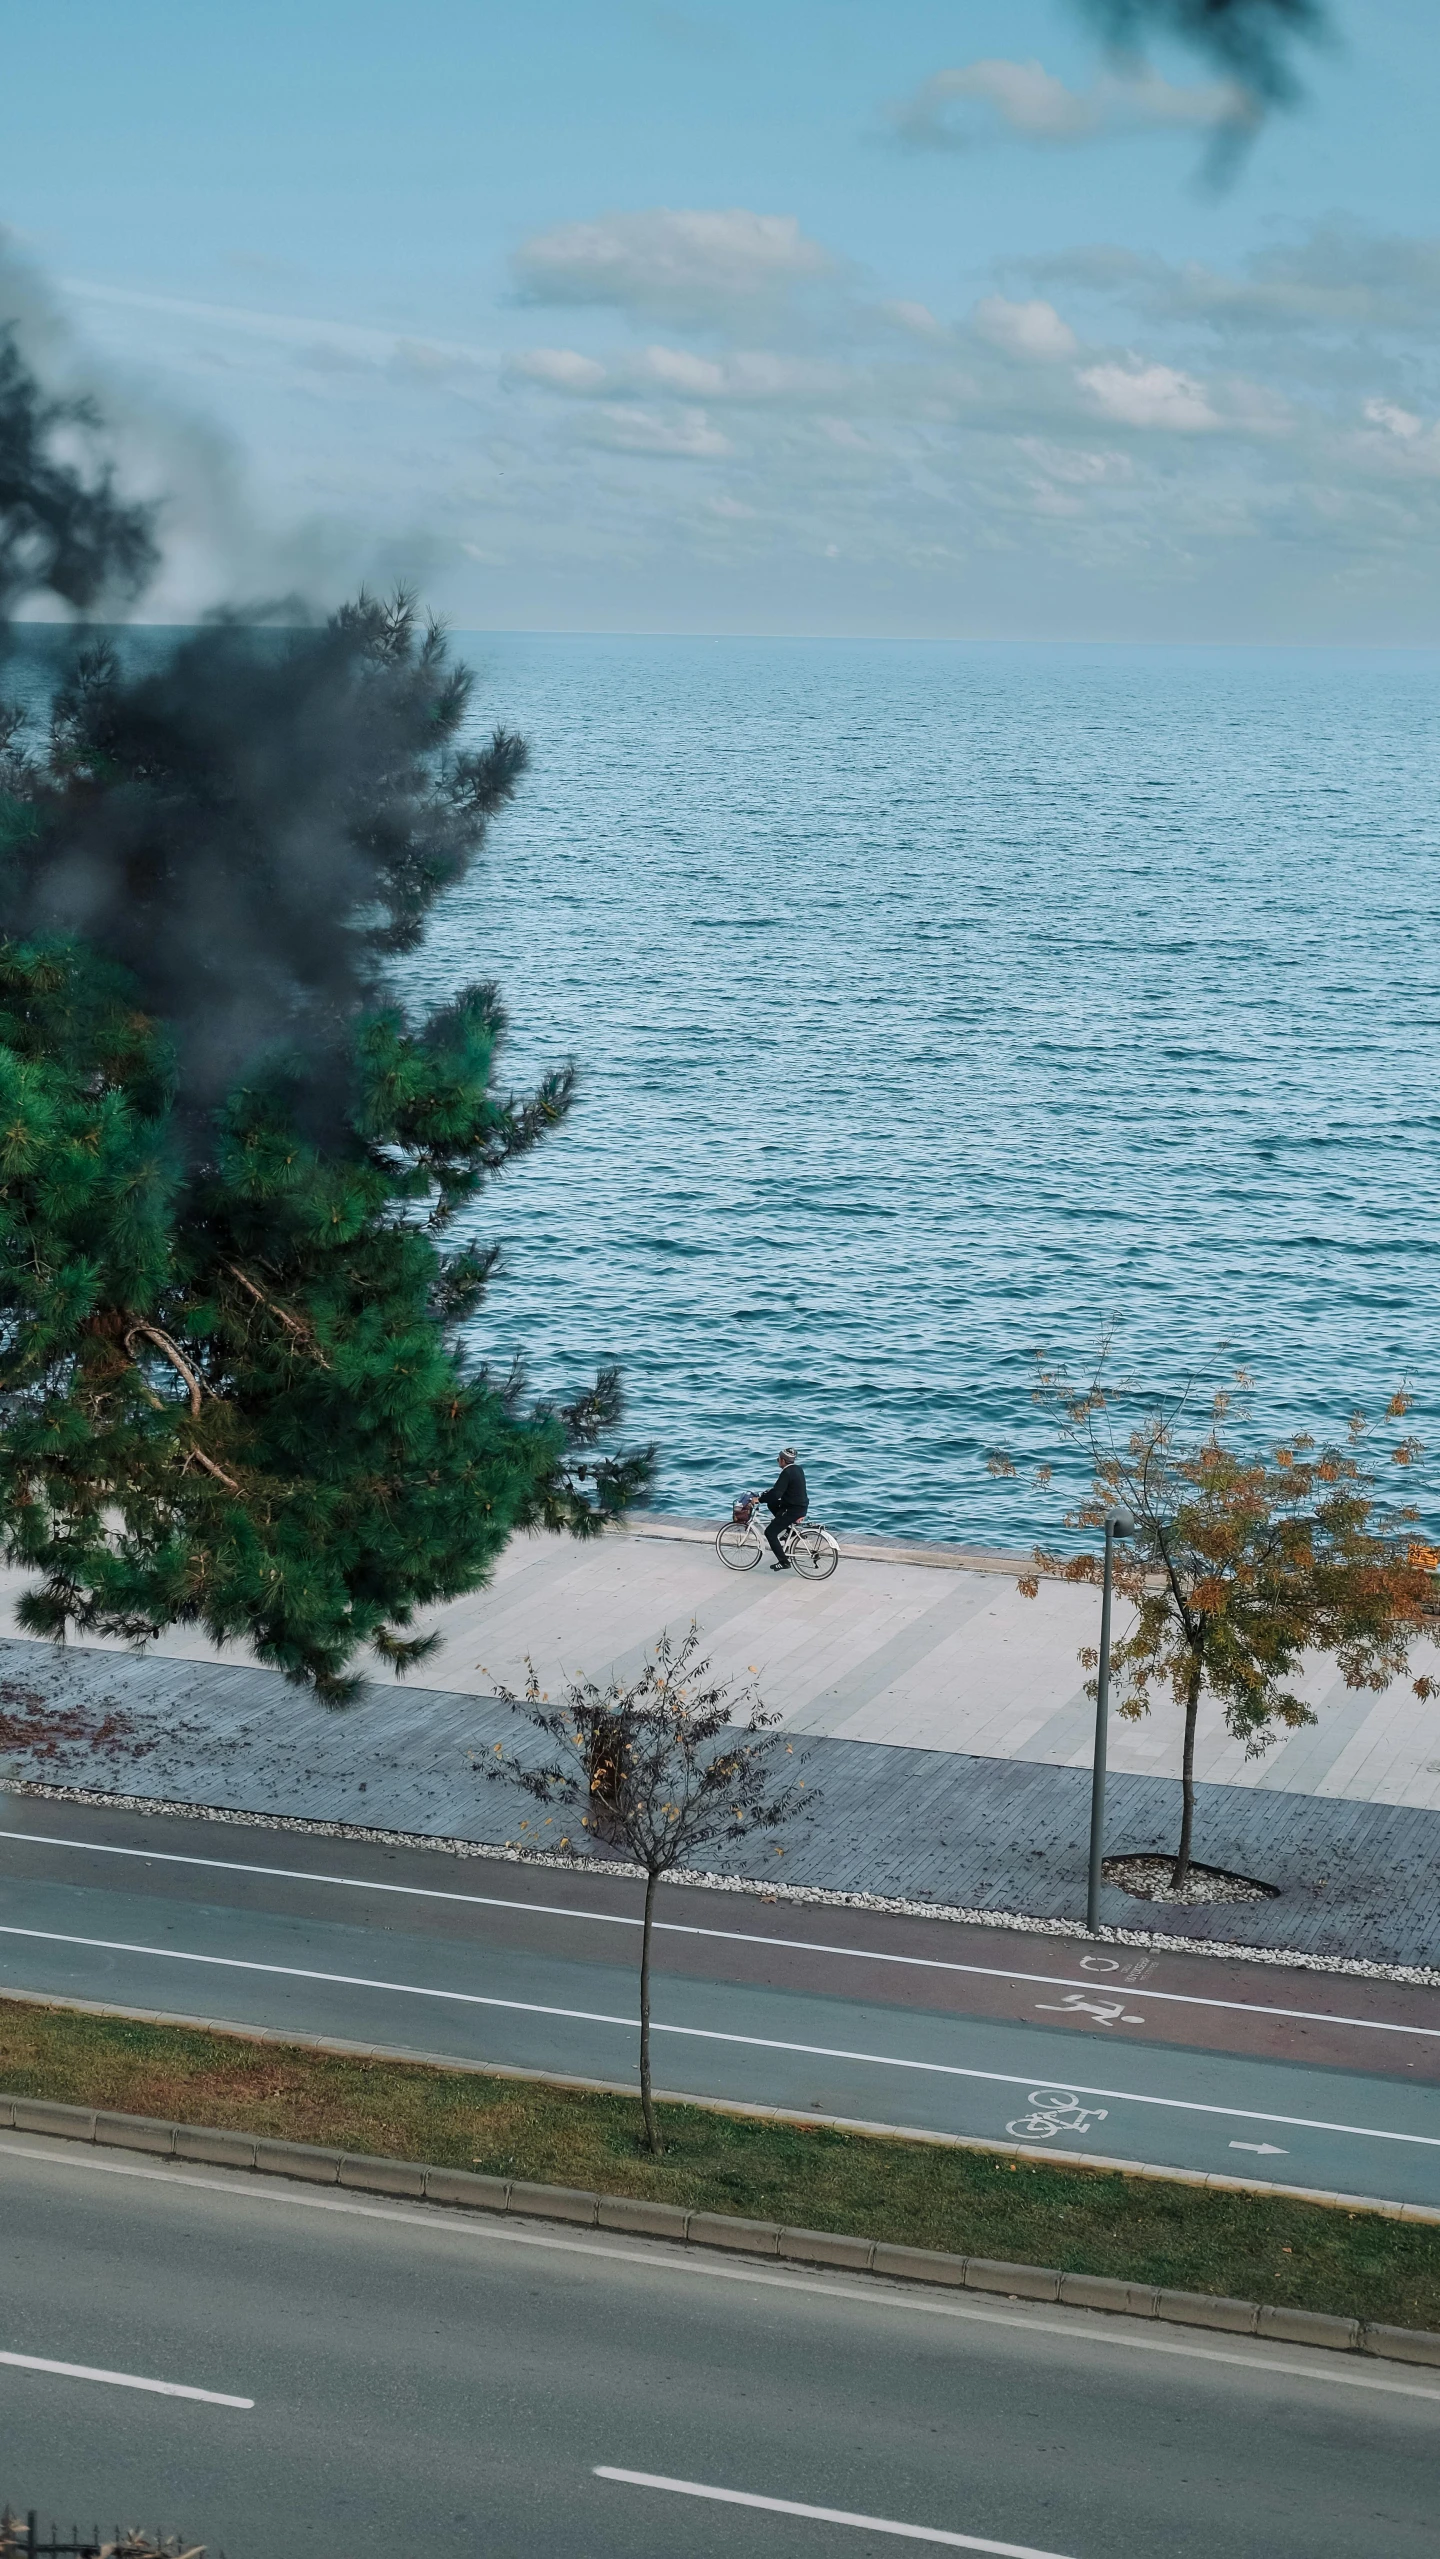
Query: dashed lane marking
{"type": "Point", "coordinates": [826, 2514]}
{"type": "Point", "coordinates": [126, 2381]}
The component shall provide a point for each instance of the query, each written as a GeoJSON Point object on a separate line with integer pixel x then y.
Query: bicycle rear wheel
{"type": "Point", "coordinates": [738, 1547]}
{"type": "Point", "coordinates": [814, 1553]}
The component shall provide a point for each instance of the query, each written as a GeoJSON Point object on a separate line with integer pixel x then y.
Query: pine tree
{"type": "Point", "coordinates": [233, 1393]}
{"type": "Point", "coordinates": [63, 530]}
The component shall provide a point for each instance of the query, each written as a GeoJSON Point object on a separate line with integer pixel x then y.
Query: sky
{"type": "Point", "coordinates": [827, 317]}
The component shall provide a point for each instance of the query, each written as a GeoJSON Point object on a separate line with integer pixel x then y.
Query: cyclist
{"type": "Point", "coordinates": [787, 1501]}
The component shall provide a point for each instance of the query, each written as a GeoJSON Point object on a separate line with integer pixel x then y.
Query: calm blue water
{"type": "Point", "coordinates": [934, 1001]}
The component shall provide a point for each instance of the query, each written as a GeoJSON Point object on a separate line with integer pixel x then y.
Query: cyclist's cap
{"type": "Point", "coordinates": [787, 1456]}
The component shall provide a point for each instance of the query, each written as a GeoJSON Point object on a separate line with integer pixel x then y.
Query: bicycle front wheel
{"type": "Point", "coordinates": [814, 1553]}
{"type": "Point", "coordinates": [738, 1547]}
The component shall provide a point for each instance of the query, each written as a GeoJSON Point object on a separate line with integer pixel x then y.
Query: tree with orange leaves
{"type": "Point", "coordinates": [1242, 1561]}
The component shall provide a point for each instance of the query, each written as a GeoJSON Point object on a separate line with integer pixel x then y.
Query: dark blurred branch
{"type": "Point", "coordinates": [61, 531]}
{"type": "Point", "coordinates": [1253, 42]}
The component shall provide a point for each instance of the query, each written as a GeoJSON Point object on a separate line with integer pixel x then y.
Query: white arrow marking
{"type": "Point", "coordinates": [1264, 2149]}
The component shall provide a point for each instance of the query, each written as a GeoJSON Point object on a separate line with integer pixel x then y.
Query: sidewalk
{"type": "Point", "coordinates": [917, 1825]}
{"type": "Point", "coordinates": [947, 1731]}
{"type": "Point", "coordinates": [921, 1648]}
{"type": "Point", "coordinates": [945, 1726]}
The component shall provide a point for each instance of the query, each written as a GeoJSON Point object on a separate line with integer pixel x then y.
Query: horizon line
{"type": "Point", "coordinates": [821, 639]}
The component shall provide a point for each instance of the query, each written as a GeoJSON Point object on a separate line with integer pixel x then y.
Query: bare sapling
{"type": "Point", "coordinates": [663, 1766]}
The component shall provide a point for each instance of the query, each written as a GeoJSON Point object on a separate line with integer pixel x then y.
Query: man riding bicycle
{"type": "Point", "coordinates": [787, 1502]}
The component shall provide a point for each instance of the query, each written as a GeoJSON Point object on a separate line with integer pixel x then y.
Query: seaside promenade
{"type": "Point", "coordinates": [920, 1648]}
{"type": "Point", "coordinates": [942, 1714]}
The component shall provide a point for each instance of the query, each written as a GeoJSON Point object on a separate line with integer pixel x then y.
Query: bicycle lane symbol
{"type": "Point", "coordinates": [1055, 2110]}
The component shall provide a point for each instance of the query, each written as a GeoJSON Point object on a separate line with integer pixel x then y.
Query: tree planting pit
{"type": "Point", "coordinates": [1147, 1876]}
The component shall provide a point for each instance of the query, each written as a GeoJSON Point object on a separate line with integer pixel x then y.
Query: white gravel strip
{"type": "Point", "coordinates": [814, 1896]}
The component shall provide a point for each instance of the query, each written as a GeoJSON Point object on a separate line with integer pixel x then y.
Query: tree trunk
{"type": "Point", "coordinates": [646, 2108]}
{"type": "Point", "coordinates": [1187, 1776]}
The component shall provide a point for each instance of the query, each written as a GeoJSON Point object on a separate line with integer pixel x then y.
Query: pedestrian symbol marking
{"type": "Point", "coordinates": [1109, 2012]}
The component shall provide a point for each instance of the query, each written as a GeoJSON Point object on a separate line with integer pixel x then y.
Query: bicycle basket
{"type": "Point", "coordinates": [742, 1511]}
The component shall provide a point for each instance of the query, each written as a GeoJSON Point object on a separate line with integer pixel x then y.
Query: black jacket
{"type": "Point", "coordinates": [787, 1496]}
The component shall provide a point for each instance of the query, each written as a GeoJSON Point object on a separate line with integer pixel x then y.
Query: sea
{"type": "Point", "coordinates": [938, 1005]}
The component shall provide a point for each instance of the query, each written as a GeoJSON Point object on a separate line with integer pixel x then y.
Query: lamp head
{"type": "Point", "coordinates": [1121, 1524]}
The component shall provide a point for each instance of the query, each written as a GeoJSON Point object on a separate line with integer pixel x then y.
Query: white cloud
{"type": "Point", "coordinates": [1160, 458]}
{"type": "Point", "coordinates": [676, 369]}
{"type": "Point", "coordinates": [748, 374]}
{"type": "Point", "coordinates": [845, 436]}
{"type": "Point", "coordinates": [1077, 466]}
{"type": "Point", "coordinates": [1024, 328]}
{"type": "Point", "coordinates": [1336, 278]}
{"type": "Point", "coordinates": [688, 436]}
{"type": "Point", "coordinates": [1149, 395]}
{"type": "Point", "coordinates": [956, 108]}
{"type": "Point", "coordinates": [916, 318]}
{"type": "Point", "coordinates": [1400, 422]}
{"type": "Point", "coordinates": [559, 368]}
{"type": "Point", "coordinates": [686, 264]}
{"type": "Point", "coordinates": [1399, 440]}
{"type": "Point", "coordinates": [752, 374]}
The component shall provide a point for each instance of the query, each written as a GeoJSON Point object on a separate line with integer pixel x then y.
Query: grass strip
{"type": "Point", "coordinates": [1084, 2220]}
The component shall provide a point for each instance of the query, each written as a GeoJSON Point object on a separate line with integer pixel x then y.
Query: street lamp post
{"type": "Point", "coordinates": [1117, 1524]}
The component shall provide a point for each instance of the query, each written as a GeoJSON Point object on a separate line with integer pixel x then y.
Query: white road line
{"type": "Point", "coordinates": [126, 2381]}
{"type": "Point", "coordinates": [715, 2035]}
{"type": "Point", "coordinates": [728, 1936]}
{"type": "Point", "coordinates": [826, 2514]}
{"type": "Point", "coordinates": [1085, 2327]}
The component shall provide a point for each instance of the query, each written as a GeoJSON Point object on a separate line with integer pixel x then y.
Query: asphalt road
{"type": "Point", "coordinates": [348, 2378]}
{"type": "Point", "coordinates": [1187, 2062]}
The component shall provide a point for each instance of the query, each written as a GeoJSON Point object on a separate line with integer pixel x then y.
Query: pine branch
{"type": "Point", "coordinates": [199, 1458]}
{"type": "Point", "coordinates": [171, 1351]}
{"type": "Point", "coordinates": [295, 1326]}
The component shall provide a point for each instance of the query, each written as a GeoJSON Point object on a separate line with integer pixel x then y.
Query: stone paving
{"type": "Point", "coordinates": [924, 1825]}
{"type": "Point", "coordinates": [925, 1649]}
{"type": "Point", "coordinates": [942, 1716]}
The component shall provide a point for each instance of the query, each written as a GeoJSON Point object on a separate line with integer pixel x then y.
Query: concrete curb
{"type": "Point", "coordinates": [209, 2146]}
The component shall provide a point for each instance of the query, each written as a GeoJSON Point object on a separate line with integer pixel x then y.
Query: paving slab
{"type": "Point", "coordinates": [944, 1826]}
{"type": "Point", "coordinates": [911, 1647]}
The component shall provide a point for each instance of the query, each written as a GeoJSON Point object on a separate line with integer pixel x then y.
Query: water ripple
{"type": "Point", "coordinates": [933, 1000]}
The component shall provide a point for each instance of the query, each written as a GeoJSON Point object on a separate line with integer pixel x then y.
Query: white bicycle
{"type": "Point", "coordinates": [741, 1542]}
{"type": "Point", "coordinates": [1056, 2110]}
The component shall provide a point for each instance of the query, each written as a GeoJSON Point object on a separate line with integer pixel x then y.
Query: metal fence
{"type": "Point", "coordinates": [28, 2540]}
